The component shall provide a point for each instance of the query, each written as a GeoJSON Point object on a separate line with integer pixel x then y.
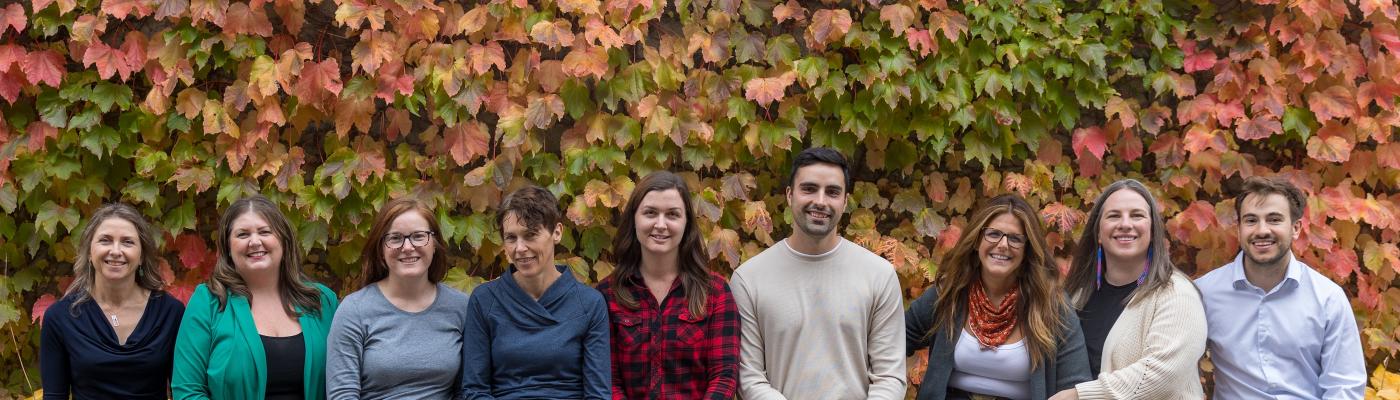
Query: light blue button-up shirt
{"type": "Point", "coordinates": [1296, 341]}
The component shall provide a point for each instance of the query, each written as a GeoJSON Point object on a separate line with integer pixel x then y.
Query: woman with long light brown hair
{"type": "Point", "coordinates": [995, 321]}
{"type": "Point", "coordinates": [668, 310]}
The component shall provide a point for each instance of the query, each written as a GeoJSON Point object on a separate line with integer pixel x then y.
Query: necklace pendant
{"type": "Point", "coordinates": [114, 320]}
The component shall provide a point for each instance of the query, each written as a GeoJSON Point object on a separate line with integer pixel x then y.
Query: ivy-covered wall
{"type": "Point", "coordinates": [331, 107]}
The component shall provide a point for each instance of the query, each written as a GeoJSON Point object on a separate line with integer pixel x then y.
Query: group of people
{"type": "Point", "coordinates": [813, 317]}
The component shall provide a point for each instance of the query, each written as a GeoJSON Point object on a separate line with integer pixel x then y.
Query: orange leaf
{"type": "Point", "coordinates": [578, 6]}
{"type": "Point", "coordinates": [190, 102]}
{"type": "Point", "coordinates": [353, 112]}
{"type": "Point", "coordinates": [1387, 7]}
{"type": "Point", "coordinates": [766, 90]}
{"type": "Point", "coordinates": [466, 141]}
{"type": "Point", "coordinates": [1387, 36]}
{"type": "Point", "coordinates": [921, 40]}
{"type": "Point", "coordinates": [952, 23]}
{"type": "Point", "coordinates": [13, 16]}
{"type": "Point", "coordinates": [1125, 110]}
{"type": "Point", "coordinates": [555, 34]}
{"type": "Point", "coordinates": [318, 83]}
{"type": "Point", "coordinates": [353, 13]}
{"type": "Point", "coordinates": [1267, 68]}
{"type": "Point", "coordinates": [292, 13]}
{"type": "Point", "coordinates": [899, 16]}
{"type": "Point", "coordinates": [44, 66]}
{"type": "Point", "coordinates": [120, 9]}
{"type": "Point", "coordinates": [757, 220]}
{"type": "Point", "coordinates": [723, 243]}
{"type": "Point", "coordinates": [585, 61]}
{"type": "Point", "coordinates": [473, 21]}
{"type": "Point", "coordinates": [1129, 147]}
{"type": "Point", "coordinates": [1334, 149]}
{"type": "Point", "coordinates": [1202, 137]}
{"type": "Point", "coordinates": [1091, 139]}
{"type": "Point", "coordinates": [1334, 103]}
{"type": "Point", "coordinates": [1388, 155]}
{"type": "Point", "coordinates": [373, 49]}
{"type": "Point", "coordinates": [1199, 213]}
{"type": "Point", "coordinates": [1197, 61]}
{"type": "Point", "coordinates": [109, 61]}
{"type": "Point", "coordinates": [194, 254]}
{"type": "Point", "coordinates": [1063, 218]}
{"type": "Point", "coordinates": [483, 57]}
{"type": "Point", "coordinates": [1021, 184]}
{"type": "Point", "coordinates": [1341, 262]}
{"type": "Point", "coordinates": [208, 10]}
{"type": "Point", "coordinates": [789, 10]}
{"type": "Point", "coordinates": [595, 31]}
{"type": "Point", "coordinates": [241, 20]}
{"type": "Point", "coordinates": [542, 111]}
{"type": "Point", "coordinates": [827, 26]}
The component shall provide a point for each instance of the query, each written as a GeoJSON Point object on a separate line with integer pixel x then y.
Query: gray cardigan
{"type": "Point", "coordinates": [1069, 366]}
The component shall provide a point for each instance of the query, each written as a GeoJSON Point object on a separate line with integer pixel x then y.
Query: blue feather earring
{"type": "Point", "coordinates": [1098, 270]}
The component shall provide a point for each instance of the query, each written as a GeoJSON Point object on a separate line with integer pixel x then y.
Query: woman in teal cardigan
{"type": "Point", "coordinates": [257, 329]}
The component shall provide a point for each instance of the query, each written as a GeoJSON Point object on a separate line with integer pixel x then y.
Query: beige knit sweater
{"type": "Point", "coordinates": [1154, 349]}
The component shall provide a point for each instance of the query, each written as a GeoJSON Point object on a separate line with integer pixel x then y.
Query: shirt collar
{"type": "Point", "coordinates": [1237, 277]}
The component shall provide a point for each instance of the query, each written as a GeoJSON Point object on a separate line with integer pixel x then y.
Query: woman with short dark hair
{"type": "Point", "coordinates": [112, 333]}
{"type": "Point", "coordinates": [535, 332]}
{"type": "Point", "coordinates": [400, 335]}
{"type": "Point", "coordinates": [257, 328]}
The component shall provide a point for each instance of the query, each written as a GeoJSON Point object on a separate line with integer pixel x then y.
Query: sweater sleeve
{"type": "Point", "coordinates": [597, 361]}
{"type": "Point", "coordinates": [722, 331]}
{"type": "Point", "coordinates": [753, 374]}
{"type": "Point", "coordinates": [1072, 359]}
{"type": "Point", "coordinates": [1173, 345]}
{"type": "Point", "coordinates": [476, 351]}
{"type": "Point", "coordinates": [886, 342]}
{"type": "Point", "coordinates": [53, 355]}
{"type": "Point", "coordinates": [344, 353]}
{"type": "Point", "coordinates": [192, 347]}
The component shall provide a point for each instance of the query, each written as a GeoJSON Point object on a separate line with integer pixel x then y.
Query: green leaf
{"type": "Point", "coordinates": [8, 198]}
{"type": "Point", "coordinates": [52, 109]}
{"type": "Point", "coordinates": [105, 95]}
{"type": "Point", "coordinates": [142, 191]}
{"type": "Point", "coordinates": [101, 141]}
{"type": "Point", "coordinates": [458, 279]}
{"type": "Point", "coordinates": [593, 242]}
{"type": "Point", "coordinates": [180, 218]}
{"type": "Point", "coordinates": [1300, 122]}
{"type": "Point", "coordinates": [578, 100]}
{"type": "Point", "coordinates": [51, 215]}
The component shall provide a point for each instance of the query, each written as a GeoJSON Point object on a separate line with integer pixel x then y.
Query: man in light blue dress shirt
{"type": "Point", "coordinates": [1277, 328]}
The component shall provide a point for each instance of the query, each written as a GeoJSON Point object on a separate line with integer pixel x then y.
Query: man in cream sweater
{"type": "Point", "coordinates": [822, 317]}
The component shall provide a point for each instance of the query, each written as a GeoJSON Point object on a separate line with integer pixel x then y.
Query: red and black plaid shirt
{"type": "Point", "coordinates": [665, 352]}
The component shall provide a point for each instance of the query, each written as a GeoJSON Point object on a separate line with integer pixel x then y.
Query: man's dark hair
{"type": "Point", "coordinates": [533, 206]}
{"type": "Point", "coordinates": [820, 155]}
{"type": "Point", "coordinates": [1265, 186]}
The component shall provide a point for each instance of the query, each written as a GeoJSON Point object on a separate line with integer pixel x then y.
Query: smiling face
{"type": "Point", "coordinates": [115, 251]}
{"type": "Point", "coordinates": [660, 222]}
{"type": "Point", "coordinates": [1001, 259]}
{"type": "Point", "coordinates": [531, 251]}
{"type": "Point", "coordinates": [253, 246]}
{"type": "Point", "coordinates": [817, 199]}
{"type": "Point", "coordinates": [1125, 225]}
{"type": "Point", "coordinates": [414, 255]}
{"type": "Point", "coordinates": [1266, 232]}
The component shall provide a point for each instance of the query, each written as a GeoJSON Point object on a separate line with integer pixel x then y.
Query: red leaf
{"type": "Point", "coordinates": [899, 16]}
{"type": "Point", "coordinates": [1199, 213]}
{"type": "Point", "coordinates": [921, 40]}
{"type": "Point", "coordinates": [1202, 137]}
{"type": "Point", "coordinates": [242, 20]}
{"type": "Point", "coordinates": [466, 141]}
{"type": "Point", "coordinates": [373, 49]}
{"type": "Point", "coordinates": [109, 61]}
{"type": "Point", "coordinates": [10, 83]}
{"type": "Point", "coordinates": [1387, 36]}
{"type": "Point", "coordinates": [318, 83]}
{"type": "Point", "coordinates": [182, 292]}
{"type": "Point", "coordinates": [171, 9]}
{"type": "Point", "coordinates": [596, 31]}
{"type": "Point", "coordinates": [193, 252]}
{"type": "Point", "coordinates": [39, 132]}
{"type": "Point", "coordinates": [1063, 218]}
{"type": "Point", "coordinates": [1020, 183]}
{"type": "Point", "coordinates": [36, 314]}
{"type": "Point", "coordinates": [952, 23]}
{"type": "Point", "coordinates": [1129, 147]}
{"type": "Point", "coordinates": [1260, 127]}
{"type": "Point", "coordinates": [1091, 139]}
{"type": "Point", "coordinates": [1342, 262]}
{"type": "Point", "coordinates": [44, 66]}
{"type": "Point", "coordinates": [1199, 61]}
{"type": "Point", "coordinates": [11, 54]}
{"type": "Point", "coordinates": [1388, 155]}
{"type": "Point", "coordinates": [766, 90]}
{"type": "Point", "coordinates": [1387, 7]}
{"type": "Point", "coordinates": [13, 16]}
{"type": "Point", "coordinates": [1334, 103]}
{"type": "Point", "coordinates": [120, 9]}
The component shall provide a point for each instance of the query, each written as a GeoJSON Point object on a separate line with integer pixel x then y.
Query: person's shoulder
{"type": "Point", "coordinates": [768, 256]}
{"type": "Point", "coordinates": [324, 290]}
{"type": "Point", "coordinates": [1325, 288]}
{"type": "Point", "coordinates": [168, 301]}
{"type": "Point", "coordinates": [60, 310]}
{"type": "Point", "coordinates": [1215, 278]}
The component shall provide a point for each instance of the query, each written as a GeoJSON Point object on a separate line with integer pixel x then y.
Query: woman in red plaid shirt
{"type": "Point", "coordinates": [674, 324]}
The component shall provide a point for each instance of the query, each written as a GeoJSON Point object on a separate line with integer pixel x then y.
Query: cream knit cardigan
{"type": "Point", "coordinates": [1155, 347]}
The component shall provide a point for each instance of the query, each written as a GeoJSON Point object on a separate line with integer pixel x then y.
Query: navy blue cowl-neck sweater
{"type": "Point", "coordinates": [79, 355]}
{"type": "Point", "coordinates": [515, 347]}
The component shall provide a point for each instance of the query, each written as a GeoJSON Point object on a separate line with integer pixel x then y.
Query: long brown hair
{"type": "Point", "coordinates": [147, 269]}
{"type": "Point", "coordinates": [1080, 282]}
{"type": "Point", "coordinates": [372, 266]}
{"type": "Point", "coordinates": [627, 249]}
{"type": "Point", "coordinates": [292, 283]}
{"type": "Point", "coordinates": [1042, 307]}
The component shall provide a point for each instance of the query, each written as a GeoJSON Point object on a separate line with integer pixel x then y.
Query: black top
{"type": "Point", "coordinates": [285, 356]}
{"type": "Point", "coordinates": [79, 355]}
{"type": "Point", "coordinates": [1099, 314]}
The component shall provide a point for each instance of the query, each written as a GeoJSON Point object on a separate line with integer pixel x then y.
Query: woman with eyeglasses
{"type": "Point", "coordinates": [400, 335]}
{"type": "Point", "coordinates": [995, 321]}
{"type": "Point", "coordinates": [1143, 321]}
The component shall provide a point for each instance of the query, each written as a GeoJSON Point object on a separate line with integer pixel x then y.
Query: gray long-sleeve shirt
{"type": "Point", "coordinates": [375, 350]}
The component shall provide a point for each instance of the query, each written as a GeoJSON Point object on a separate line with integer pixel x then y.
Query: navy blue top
{"type": "Point", "coordinates": [514, 347]}
{"type": "Point", "coordinates": [79, 354]}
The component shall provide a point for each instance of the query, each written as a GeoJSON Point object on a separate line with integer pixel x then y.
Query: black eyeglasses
{"type": "Point", "coordinates": [419, 239]}
{"type": "Point", "coordinates": [992, 235]}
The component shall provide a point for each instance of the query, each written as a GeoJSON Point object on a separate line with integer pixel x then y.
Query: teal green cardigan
{"type": "Point", "coordinates": [219, 355]}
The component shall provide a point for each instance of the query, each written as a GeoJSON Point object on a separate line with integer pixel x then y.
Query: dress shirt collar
{"type": "Point", "coordinates": [1291, 278]}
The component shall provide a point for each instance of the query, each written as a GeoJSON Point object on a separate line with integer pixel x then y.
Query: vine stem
{"type": "Point", "coordinates": [19, 356]}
